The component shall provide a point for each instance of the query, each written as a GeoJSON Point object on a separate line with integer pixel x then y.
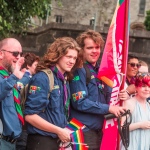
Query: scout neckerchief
{"type": "Point", "coordinates": [94, 73]}
{"type": "Point", "coordinates": [66, 97]}
{"type": "Point", "coordinates": [5, 74]}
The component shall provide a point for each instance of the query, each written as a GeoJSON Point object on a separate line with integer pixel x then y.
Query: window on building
{"type": "Point", "coordinates": [92, 22]}
{"type": "Point", "coordinates": [142, 7]}
{"type": "Point", "coordinates": [59, 18]}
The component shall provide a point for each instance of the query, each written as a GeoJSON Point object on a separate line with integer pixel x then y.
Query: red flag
{"type": "Point", "coordinates": [113, 67]}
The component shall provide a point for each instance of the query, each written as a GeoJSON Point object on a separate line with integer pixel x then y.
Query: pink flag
{"type": "Point", "coordinates": [113, 67]}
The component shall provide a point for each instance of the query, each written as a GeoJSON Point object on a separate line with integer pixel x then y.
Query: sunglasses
{"type": "Point", "coordinates": [134, 64]}
{"type": "Point", "coordinates": [143, 74]}
{"type": "Point", "coordinates": [15, 54]}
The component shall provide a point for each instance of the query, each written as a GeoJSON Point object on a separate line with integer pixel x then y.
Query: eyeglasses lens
{"type": "Point", "coordinates": [133, 65]}
{"type": "Point", "coordinates": [17, 53]}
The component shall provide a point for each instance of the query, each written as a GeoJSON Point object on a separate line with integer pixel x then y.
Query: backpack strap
{"type": "Point", "coordinates": [88, 74]}
{"type": "Point", "coordinates": [50, 75]}
{"type": "Point", "coordinates": [23, 95]}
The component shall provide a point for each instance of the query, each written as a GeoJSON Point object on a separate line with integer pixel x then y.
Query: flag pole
{"type": "Point", "coordinates": [125, 55]}
{"type": "Point", "coordinates": [125, 46]}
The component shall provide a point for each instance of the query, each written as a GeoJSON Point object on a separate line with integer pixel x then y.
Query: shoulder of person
{"type": "Point", "coordinates": [130, 103]}
{"type": "Point", "coordinates": [39, 76]}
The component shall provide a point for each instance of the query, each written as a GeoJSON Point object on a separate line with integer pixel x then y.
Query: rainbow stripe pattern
{"type": "Point", "coordinates": [78, 140]}
{"type": "Point", "coordinates": [74, 125]}
{"type": "Point", "coordinates": [80, 146]}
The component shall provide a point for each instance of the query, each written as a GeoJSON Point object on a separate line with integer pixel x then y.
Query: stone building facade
{"type": "Point", "coordinates": [93, 12]}
{"type": "Point", "coordinates": [75, 16]}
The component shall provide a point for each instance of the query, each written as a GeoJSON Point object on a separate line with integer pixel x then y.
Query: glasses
{"type": "Point", "coordinates": [143, 74]}
{"type": "Point", "coordinates": [134, 64]}
{"type": "Point", "coordinates": [15, 54]}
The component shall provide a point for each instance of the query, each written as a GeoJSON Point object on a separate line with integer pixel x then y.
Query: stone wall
{"type": "Point", "coordinates": [82, 11]}
{"type": "Point", "coordinates": [37, 40]}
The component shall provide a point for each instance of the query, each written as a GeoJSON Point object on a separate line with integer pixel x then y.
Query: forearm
{"type": "Point", "coordinates": [134, 126]}
{"type": "Point", "coordinates": [6, 85]}
{"type": "Point", "coordinates": [42, 124]}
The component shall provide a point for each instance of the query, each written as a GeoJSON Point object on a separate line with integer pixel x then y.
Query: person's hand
{"type": "Point", "coordinates": [144, 124]}
{"type": "Point", "coordinates": [117, 110]}
{"type": "Point", "coordinates": [131, 89]}
{"type": "Point", "coordinates": [123, 95]}
{"type": "Point", "coordinates": [17, 69]}
{"type": "Point", "coordinates": [64, 135]}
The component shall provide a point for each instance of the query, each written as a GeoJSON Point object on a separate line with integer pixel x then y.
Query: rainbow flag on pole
{"type": "Point", "coordinates": [74, 125]}
{"type": "Point", "coordinates": [113, 67]}
{"type": "Point", "coordinates": [77, 137]}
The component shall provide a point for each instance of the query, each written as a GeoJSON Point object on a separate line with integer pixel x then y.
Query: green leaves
{"type": "Point", "coordinates": [147, 20]}
{"type": "Point", "coordinates": [15, 14]}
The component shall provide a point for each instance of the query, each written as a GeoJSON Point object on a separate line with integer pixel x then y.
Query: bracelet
{"type": "Point", "coordinates": [128, 92]}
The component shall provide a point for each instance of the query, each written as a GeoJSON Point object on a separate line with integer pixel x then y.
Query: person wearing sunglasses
{"type": "Point", "coordinates": [10, 110]}
{"type": "Point", "coordinates": [140, 110]}
{"type": "Point", "coordinates": [133, 66]}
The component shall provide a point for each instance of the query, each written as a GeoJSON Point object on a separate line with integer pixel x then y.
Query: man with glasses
{"type": "Point", "coordinates": [10, 110]}
{"type": "Point", "coordinates": [133, 66]}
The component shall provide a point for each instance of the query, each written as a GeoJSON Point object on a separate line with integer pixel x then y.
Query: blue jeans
{"type": "Point", "coordinates": [4, 145]}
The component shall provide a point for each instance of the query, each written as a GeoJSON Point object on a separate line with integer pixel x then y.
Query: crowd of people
{"type": "Point", "coordinates": [41, 123]}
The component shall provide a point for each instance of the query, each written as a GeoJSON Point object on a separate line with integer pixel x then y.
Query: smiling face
{"type": "Point", "coordinates": [91, 51]}
{"type": "Point", "coordinates": [7, 59]}
{"type": "Point", "coordinates": [132, 70]}
{"type": "Point", "coordinates": [66, 62]}
{"type": "Point", "coordinates": [143, 92]}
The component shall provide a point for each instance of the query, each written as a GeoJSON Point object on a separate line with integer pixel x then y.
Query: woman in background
{"type": "Point", "coordinates": [140, 109]}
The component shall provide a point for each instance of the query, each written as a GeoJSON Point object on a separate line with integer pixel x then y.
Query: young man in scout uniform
{"type": "Point", "coordinates": [47, 115]}
{"type": "Point", "coordinates": [89, 102]}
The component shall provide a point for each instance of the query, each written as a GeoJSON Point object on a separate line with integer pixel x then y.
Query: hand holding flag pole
{"type": "Point", "coordinates": [113, 68]}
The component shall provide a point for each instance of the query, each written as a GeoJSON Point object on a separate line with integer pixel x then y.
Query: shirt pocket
{"type": "Point", "coordinates": [55, 98]}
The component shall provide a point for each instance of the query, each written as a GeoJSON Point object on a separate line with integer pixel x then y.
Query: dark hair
{"type": "Point", "coordinates": [29, 59]}
{"type": "Point", "coordinates": [58, 49]}
{"type": "Point", "coordinates": [95, 36]}
{"type": "Point", "coordinates": [130, 56]}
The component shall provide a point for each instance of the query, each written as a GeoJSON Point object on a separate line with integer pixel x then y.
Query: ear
{"type": "Point", "coordinates": [1, 55]}
{"type": "Point", "coordinates": [28, 67]}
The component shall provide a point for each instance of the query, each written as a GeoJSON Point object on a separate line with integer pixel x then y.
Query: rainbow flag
{"type": "Point", "coordinates": [80, 146]}
{"type": "Point", "coordinates": [77, 136]}
{"type": "Point", "coordinates": [78, 140]}
{"type": "Point", "coordinates": [113, 67]}
{"type": "Point", "coordinates": [74, 125]}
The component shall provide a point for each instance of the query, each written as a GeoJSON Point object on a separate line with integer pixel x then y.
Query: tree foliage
{"type": "Point", "coordinates": [147, 20]}
{"type": "Point", "coordinates": [15, 14]}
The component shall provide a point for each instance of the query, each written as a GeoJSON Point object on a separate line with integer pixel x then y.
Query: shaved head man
{"type": "Point", "coordinates": [10, 110]}
{"type": "Point", "coordinates": [10, 52]}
